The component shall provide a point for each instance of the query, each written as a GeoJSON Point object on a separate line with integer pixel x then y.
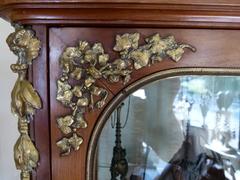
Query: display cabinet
{"type": "Point", "coordinates": [126, 89]}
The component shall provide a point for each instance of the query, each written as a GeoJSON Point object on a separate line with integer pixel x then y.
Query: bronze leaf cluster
{"type": "Point", "coordinates": [85, 64]}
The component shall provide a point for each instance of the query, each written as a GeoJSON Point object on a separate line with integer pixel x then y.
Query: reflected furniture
{"type": "Point", "coordinates": [78, 60]}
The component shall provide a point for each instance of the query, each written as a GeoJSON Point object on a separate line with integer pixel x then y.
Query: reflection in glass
{"type": "Point", "coordinates": [183, 128]}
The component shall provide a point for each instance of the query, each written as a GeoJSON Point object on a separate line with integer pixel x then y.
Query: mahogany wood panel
{"type": "Point", "coordinates": [215, 48]}
{"type": "Point", "coordinates": [73, 166]}
{"type": "Point", "coordinates": [41, 119]}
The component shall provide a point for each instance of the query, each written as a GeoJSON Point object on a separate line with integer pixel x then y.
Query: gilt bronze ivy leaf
{"type": "Point", "coordinates": [86, 64]}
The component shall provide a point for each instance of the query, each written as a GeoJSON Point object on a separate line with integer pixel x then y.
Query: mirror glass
{"type": "Point", "coordinates": [178, 128]}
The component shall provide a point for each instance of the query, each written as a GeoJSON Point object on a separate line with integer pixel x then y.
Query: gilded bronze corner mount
{"type": "Point", "coordinates": [86, 63]}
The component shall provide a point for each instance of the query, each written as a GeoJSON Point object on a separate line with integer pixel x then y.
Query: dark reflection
{"type": "Point", "coordinates": [182, 128]}
{"type": "Point", "coordinates": [119, 164]}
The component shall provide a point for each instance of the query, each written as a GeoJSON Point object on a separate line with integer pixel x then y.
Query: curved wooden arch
{"type": "Point", "coordinates": [127, 90]}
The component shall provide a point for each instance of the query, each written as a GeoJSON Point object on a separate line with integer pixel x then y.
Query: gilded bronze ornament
{"type": "Point", "coordinates": [25, 100]}
{"type": "Point", "coordinates": [85, 64]}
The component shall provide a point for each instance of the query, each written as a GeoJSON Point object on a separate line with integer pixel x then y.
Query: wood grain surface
{"type": "Point", "coordinates": [154, 13]}
{"type": "Point", "coordinates": [198, 2]}
{"type": "Point", "coordinates": [41, 120]}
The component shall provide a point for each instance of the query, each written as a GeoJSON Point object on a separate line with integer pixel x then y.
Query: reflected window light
{"type": "Point", "coordinates": [195, 85]}
{"type": "Point", "coordinates": [140, 93]}
{"type": "Point", "coordinates": [144, 144]}
{"type": "Point", "coordinates": [145, 147]}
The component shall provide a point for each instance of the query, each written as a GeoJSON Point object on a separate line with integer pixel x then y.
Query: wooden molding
{"type": "Point", "coordinates": [152, 14]}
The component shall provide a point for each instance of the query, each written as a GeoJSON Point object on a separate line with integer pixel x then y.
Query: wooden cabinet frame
{"type": "Point", "coordinates": [213, 28]}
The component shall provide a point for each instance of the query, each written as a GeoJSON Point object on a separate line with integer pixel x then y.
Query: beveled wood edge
{"type": "Point", "coordinates": [138, 2]}
{"type": "Point", "coordinates": [134, 14]}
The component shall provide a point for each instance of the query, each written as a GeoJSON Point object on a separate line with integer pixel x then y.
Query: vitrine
{"type": "Point", "coordinates": [77, 61]}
